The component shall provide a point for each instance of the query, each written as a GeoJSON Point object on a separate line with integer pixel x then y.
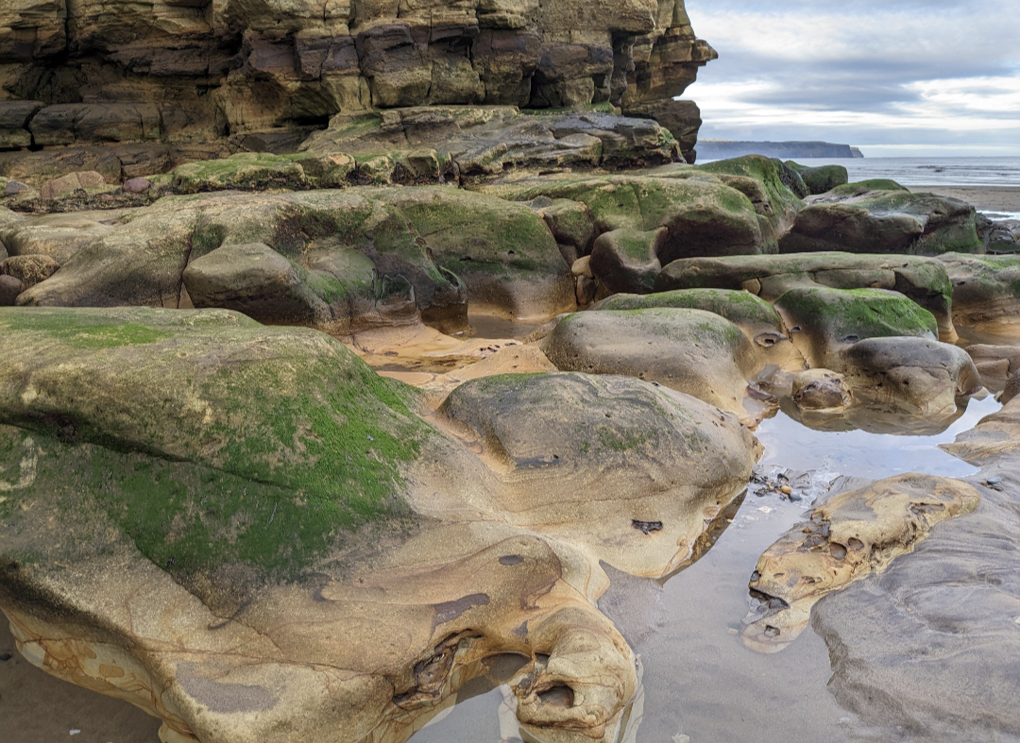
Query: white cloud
{"type": "Point", "coordinates": [892, 72]}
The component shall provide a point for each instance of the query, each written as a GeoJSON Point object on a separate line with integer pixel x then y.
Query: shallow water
{"type": "Point", "coordinates": [700, 683]}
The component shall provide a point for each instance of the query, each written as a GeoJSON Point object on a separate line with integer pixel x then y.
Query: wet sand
{"type": "Point", "coordinates": [985, 198]}
{"type": "Point", "coordinates": [38, 708]}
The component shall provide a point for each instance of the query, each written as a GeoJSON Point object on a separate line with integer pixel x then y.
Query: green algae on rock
{"type": "Point", "coordinates": [828, 319]}
{"type": "Point", "coordinates": [923, 280]}
{"type": "Point", "coordinates": [886, 221]}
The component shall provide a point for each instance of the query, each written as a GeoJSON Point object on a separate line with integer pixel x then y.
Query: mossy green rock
{"type": "Point", "coordinates": [986, 288]}
{"type": "Point", "coordinates": [823, 178]}
{"type": "Point", "coordinates": [830, 319]}
{"type": "Point", "coordinates": [701, 217]}
{"type": "Point", "coordinates": [206, 437]}
{"type": "Point", "coordinates": [692, 351]}
{"type": "Point", "coordinates": [260, 171]}
{"type": "Point", "coordinates": [364, 254]}
{"type": "Point", "coordinates": [781, 205]}
{"type": "Point", "coordinates": [883, 222]}
{"type": "Point", "coordinates": [624, 260]}
{"type": "Point", "coordinates": [739, 307]}
{"type": "Point", "coordinates": [923, 280]}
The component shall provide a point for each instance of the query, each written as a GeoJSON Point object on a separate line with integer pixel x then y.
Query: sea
{"type": "Point", "coordinates": [926, 171]}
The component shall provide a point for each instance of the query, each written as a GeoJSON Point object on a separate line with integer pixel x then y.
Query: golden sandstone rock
{"type": "Point", "coordinates": [848, 537]}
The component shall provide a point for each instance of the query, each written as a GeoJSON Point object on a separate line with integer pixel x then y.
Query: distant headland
{"type": "Point", "coordinates": [714, 149]}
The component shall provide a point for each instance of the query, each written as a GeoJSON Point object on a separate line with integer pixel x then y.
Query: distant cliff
{"type": "Point", "coordinates": [715, 149]}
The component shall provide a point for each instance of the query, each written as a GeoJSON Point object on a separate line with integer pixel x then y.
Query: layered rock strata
{"type": "Point", "coordinates": [179, 79]}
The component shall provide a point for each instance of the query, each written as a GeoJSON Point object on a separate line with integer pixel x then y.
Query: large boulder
{"type": "Point", "coordinates": [246, 532]}
{"type": "Point", "coordinates": [883, 222]}
{"type": "Point", "coordinates": [57, 235]}
{"type": "Point", "coordinates": [821, 178]}
{"type": "Point", "coordinates": [763, 180]}
{"type": "Point", "coordinates": [558, 441]}
{"type": "Point", "coordinates": [986, 290]}
{"type": "Point", "coordinates": [692, 351]}
{"type": "Point", "coordinates": [923, 280]}
{"type": "Point", "coordinates": [700, 216]}
{"type": "Point", "coordinates": [921, 376]}
{"type": "Point", "coordinates": [758, 319]}
{"type": "Point", "coordinates": [828, 320]}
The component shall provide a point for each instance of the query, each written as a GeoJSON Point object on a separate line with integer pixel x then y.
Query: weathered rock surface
{"type": "Point", "coordinates": [248, 533]}
{"type": "Point", "coordinates": [700, 217]}
{"type": "Point", "coordinates": [986, 290]}
{"type": "Point", "coordinates": [828, 320]}
{"type": "Point", "coordinates": [57, 235]}
{"type": "Point", "coordinates": [994, 363]}
{"type": "Point", "coordinates": [29, 269]}
{"type": "Point", "coordinates": [848, 537]}
{"type": "Point", "coordinates": [856, 219]}
{"type": "Point", "coordinates": [693, 351]}
{"type": "Point", "coordinates": [944, 664]}
{"type": "Point", "coordinates": [207, 78]}
{"type": "Point", "coordinates": [758, 319]}
{"type": "Point", "coordinates": [375, 256]}
{"type": "Point", "coordinates": [918, 375]}
{"type": "Point", "coordinates": [923, 280]}
{"type": "Point", "coordinates": [820, 179]}
{"type": "Point", "coordinates": [821, 390]}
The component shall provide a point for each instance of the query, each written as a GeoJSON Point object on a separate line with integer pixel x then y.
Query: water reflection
{"type": "Point", "coordinates": [861, 453]}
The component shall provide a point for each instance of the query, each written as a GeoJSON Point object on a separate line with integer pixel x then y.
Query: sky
{"type": "Point", "coordinates": [893, 77]}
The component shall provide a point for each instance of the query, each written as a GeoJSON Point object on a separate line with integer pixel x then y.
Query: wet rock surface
{"type": "Point", "coordinates": [247, 626]}
{"type": "Point", "coordinates": [848, 537]}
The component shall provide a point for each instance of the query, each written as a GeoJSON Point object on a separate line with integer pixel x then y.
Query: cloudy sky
{"type": "Point", "coordinates": [895, 77]}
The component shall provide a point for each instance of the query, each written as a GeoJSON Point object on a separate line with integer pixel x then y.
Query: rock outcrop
{"type": "Point", "coordinates": [848, 537]}
{"type": "Point", "coordinates": [249, 534]}
{"type": "Point", "coordinates": [176, 80]}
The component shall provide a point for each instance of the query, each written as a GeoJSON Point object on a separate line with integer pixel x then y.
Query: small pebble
{"type": "Point", "coordinates": [993, 480]}
{"type": "Point", "coordinates": [136, 185]}
{"type": "Point", "coordinates": [74, 731]}
{"type": "Point", "coordinates": [5, 656]}
{"type": "Point", "coordinates": [786, 489]}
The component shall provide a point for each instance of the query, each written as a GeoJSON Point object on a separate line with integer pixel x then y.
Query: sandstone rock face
{"type": "Point", "coordinates": [986, 289]}
{"type": "Point", "coordinates": [191, 73]}
{"type": "Point", "coordinates": [918, 374]}
{"type": "Point", "coordinates": [828, 320]}
{"type": "Point", "coordinates": [821, 179]}
{"type": "Point", "coordinates": [246, 532]}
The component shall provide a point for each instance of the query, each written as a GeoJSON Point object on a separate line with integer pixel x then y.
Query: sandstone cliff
{"type": "Point", "coordinates": [185, 79]}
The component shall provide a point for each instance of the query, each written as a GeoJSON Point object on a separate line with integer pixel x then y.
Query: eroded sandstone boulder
{"type": "Point", "coordinates": [246, 532]}
{"type": "Point", "coordinates": [758, 319]}
{"type": "Point", "coordinates": [692, 351]}
{"type": "Point", "coordinates": [918, 375]}
{"type": "Point", "coordinates": [828, 320]}
{"type": "Point", "coordinates": [986, 290]}
{"type": "Point", "coordinates": [853, 219]}
{"type": "Point", "coordinates": [848, 537]}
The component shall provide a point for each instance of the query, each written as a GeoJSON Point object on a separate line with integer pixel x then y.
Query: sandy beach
{"type": "Point", "coordinates": [985, 198]}
{"type": "Point", "coordinates": [38, 708]}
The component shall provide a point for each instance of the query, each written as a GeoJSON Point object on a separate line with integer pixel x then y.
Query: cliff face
{"type": "Point", "coordinates": [195, 72]}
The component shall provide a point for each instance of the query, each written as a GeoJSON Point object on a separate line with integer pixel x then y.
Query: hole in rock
{"type": "Point", "coordinates": [560, 695]}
